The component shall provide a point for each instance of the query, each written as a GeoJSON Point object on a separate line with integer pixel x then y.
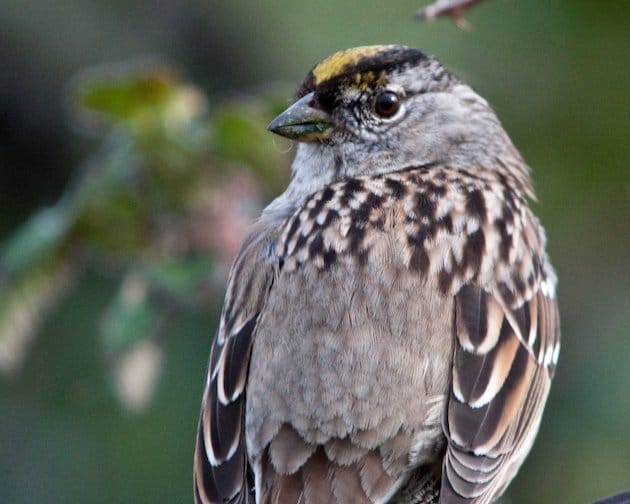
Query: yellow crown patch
{"type": "Point", "coordinates": [336, 64]}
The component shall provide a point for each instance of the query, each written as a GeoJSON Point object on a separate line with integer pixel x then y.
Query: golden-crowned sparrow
{"type": "Point", "coordinates": [390, 329]}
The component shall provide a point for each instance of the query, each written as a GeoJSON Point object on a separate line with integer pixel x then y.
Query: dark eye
{"type": "Point", "coordinates": [387, 104]}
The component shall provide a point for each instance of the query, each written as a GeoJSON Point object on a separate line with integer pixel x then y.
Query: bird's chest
{"type": "Point", "coordinates": [357, 330]}
{"type": "Point", "coordinates": [447, 230]}
{"type": "Point", "coordinates": [354, 340]}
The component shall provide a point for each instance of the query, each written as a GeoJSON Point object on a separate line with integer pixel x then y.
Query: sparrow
{"type": "Point", "coordinates": [390, 328]}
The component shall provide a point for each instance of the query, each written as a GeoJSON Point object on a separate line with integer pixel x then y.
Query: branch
{"type": "Point", "coordinates": [455, 9]}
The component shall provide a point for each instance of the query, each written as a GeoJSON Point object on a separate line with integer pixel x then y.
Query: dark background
{"type": "Point", "coordinates": [557, 74]}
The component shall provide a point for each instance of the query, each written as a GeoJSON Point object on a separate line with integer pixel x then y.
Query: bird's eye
{"type": "Point", "coordinates": [387, 104]}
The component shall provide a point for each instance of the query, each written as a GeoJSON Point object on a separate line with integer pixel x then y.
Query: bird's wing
{"type": "Point", "coordinates": [503, 364]}
{"type": "Point", "coordinates": [220, 466]}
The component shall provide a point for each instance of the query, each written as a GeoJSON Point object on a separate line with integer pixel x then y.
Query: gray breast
{"type": "Point", "coordinates": [353, 343]}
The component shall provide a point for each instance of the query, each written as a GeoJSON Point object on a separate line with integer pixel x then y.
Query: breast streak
{"type": "Point", "coordinates": [355, 347]}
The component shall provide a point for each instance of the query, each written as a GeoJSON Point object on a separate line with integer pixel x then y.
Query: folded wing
{"type": "Point", "coordinates": [503, 364]}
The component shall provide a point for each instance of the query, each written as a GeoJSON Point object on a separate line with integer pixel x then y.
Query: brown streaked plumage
{"type": "Point", "coordinates": [390, 328]}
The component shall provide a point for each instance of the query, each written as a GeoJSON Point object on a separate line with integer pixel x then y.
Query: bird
{"type": "Point", "coordinates": [390, 327]}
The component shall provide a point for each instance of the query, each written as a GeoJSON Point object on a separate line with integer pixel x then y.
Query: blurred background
{"type": "Point", "coordinates": [133, 152]}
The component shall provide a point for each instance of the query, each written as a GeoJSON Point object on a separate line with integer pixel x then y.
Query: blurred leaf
{"type": "Point", "coordinates": [180, 277]}
{"type": "Point", "coordinates": [136, 374]}
{"type": "Point", "coordinates": [24, 303]}
{"type": "Point", "coordinates": [130, 317]}
{"type": "Point", "coordinates": [114, 225]}
{"type": "Point", "coordinates": [37, 239]}
{"type": "Point", "coordinates": [128, 91]}
{"type": "Point", "coordinates": [240, 134]}
{"type": "Point", "coordinates": [129, 329]}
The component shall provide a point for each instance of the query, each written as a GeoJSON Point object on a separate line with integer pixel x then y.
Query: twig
{"type": "Point", "coordinates": [455, 9]}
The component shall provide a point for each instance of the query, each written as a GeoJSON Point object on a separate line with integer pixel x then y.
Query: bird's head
{"type": "Point", "coordinates": [379, 109]}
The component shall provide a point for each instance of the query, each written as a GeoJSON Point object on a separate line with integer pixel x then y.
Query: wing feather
{"type": "Point", "coordinates": [221, 467]}
{"type": "Point", "coordinates": [500, 381]}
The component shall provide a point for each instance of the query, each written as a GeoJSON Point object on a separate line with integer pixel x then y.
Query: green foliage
{"type": "Point", "coordinates": [236, 120]}
{"type": "Point", "coordinates": [180, 278]}
{"type": "Point", "coordinates": [137, 93]}
{"type": "Point", "coordinates": [25, 299]}
{"type": "Point", "coordinates": [136, 204]}
{"type": "Point", "coordinates": [35, 241]}
{"type": "Point", "coordinates": [130, 317]}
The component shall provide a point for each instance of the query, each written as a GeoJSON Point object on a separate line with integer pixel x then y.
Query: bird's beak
{"type": "Point", "coordinates": [302, 122]}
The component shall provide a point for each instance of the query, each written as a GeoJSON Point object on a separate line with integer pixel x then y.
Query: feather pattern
{"type": "Point", "coordinates": [221, 469]}
{"type": "Point", "coordinates": [499, 387]}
